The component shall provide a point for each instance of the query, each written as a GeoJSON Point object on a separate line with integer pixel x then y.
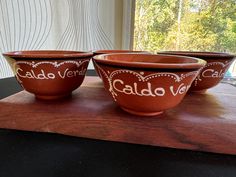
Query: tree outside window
{"type": "Point", "coordinates": [194, 25]}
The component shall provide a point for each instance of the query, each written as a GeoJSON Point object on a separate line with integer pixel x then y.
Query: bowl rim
{"type": "Point", "coordinates": [200, 54]}
{"type": "Point", "coordinates": [47, 54]}
{"type": "Point", "coordinates": [148, 65]}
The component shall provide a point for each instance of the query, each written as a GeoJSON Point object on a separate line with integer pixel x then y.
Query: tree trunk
{"type": "Point", "coordinates": [179, 24]}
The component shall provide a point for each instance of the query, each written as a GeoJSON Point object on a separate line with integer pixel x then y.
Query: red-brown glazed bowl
{"type": "Point", "coordinates": [212, 73]}
{"type": "Point", "coordinates": [49, 74]}
{"type": "Point", "coordinates": [146, 84]}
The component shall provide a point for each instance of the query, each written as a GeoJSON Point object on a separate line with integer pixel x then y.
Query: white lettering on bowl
{"type": "Point", "coordinates": [145, 84]}
{"type": "Point", "coordinates": [46, 75]}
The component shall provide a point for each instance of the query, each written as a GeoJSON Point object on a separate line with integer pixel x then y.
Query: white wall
{"type": "Point", "coordinates": [63, 24]}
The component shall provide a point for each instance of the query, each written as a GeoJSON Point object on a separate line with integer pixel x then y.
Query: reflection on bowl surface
{"type": "Point", "coordinates": [210, 75]}
{"type": "Point", "coordinates": [49, 74]}
{"type": "Point", "coordinates": [146, 84]}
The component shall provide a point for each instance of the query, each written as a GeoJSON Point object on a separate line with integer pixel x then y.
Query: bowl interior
{"type": "Point", "coordinates": [150, 61]}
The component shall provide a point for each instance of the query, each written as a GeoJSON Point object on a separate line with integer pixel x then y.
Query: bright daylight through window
{"type": "Point", "coordinates": [195, 25]}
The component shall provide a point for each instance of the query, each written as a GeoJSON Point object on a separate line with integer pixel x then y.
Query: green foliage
{"type": "Point", "coordinates": [203, 25]}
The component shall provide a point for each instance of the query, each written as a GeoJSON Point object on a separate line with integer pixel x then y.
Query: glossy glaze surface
{"type": "Point", "coordinates": [49, 74]}
{"type": "Point", "coordinates": [213, 72]}
{"type": "Point", "coordinates": [145, 84]}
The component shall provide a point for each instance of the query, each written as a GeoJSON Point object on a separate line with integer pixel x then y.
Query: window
{"type": "Point", "coordinates": [197, 25]}
{"type": "Point", "coordinates": [208, 25]}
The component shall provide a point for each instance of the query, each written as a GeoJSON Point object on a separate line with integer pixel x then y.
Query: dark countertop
{"type": "Point", "coordinates": [29, 154]}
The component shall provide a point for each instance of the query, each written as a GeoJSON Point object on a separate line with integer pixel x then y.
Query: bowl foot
{"type": "Point", "coordinates": [54, 97]}
{"type": "Point", "coordinates": [142, 113]}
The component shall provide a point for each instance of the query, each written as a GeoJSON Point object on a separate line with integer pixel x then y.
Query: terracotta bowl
{"type": "Point", "coordinates": [49, 74]}
{"type": "Point", "coordinates": [212, 73]}
{"type": "Point", "coordinates": [146, 84]}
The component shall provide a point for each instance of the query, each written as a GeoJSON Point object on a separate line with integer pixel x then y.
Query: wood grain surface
{"type": "Point", "coordinates": [202, 122]}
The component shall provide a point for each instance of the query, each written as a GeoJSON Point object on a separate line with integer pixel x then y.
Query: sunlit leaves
{"type": "Point", "coordinates": [207, 25]}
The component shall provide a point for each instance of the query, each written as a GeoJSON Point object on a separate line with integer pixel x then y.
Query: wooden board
{"type": "Point", "coordinates": [203, 122]}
